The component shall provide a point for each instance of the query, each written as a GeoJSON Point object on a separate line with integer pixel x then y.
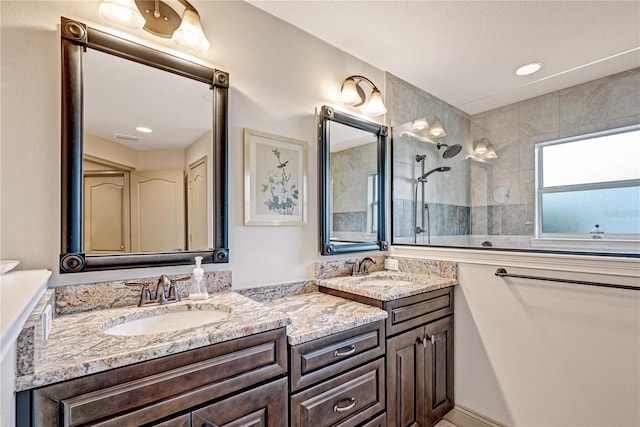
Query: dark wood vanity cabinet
{"type": "Point", "coordinates": [419, 356]}
{"type": "Point", "coordinates": [420, 374]}
{"type": "Point", "coordinates": [239, 381]}
{"type": "Point", "coordinates": [339, 380]}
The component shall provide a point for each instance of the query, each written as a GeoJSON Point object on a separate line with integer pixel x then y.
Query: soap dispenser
{"type": "Point", "coordinates": [198, 289]}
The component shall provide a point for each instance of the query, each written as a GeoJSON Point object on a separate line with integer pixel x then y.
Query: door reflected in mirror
{"type": "Point", "coordinates": [354, 184]}
{"type": "Point", "coordinates": [147, 158]}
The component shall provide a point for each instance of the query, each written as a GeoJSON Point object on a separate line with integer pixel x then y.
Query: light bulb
{"type": "Point", "coordinates": [189, 34]}
{"type": "Point", "coordinates": [122, 12]}
{"type": "Point", "coordinates": [375, 106]}
{"type": "Point", "coordinates": [349, 93]}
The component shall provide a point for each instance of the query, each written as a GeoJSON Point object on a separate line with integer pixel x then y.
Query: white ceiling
{"type": "Point", "coordinates": [465, 52]}
{"type": "Point", "coordinates": [120, 95]}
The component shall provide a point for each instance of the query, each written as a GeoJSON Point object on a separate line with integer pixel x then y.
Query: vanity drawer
{"type": "Point", "coordinates": [152, 390]}
{"type": "Point", "coordinates": [319, 359]}
{"type": "Point", "coordinates": [407, 313]}
{"type": "Point", "coordinates": [379, 421]}
{"type": "Point", "coordinates": [347, 400]}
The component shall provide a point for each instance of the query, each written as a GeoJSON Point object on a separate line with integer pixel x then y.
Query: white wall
{"type": "Point", "coordinates": [532, 353]}
{"type": "Point", "coordinates": [278, 76]}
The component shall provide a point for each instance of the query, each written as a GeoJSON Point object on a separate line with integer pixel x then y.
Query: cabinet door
{"type": "Point", "coordinates": [264, 406]}
{"type": "Point", "coordinates": [439, 369]}
{"type": "Point", "coordinates": [405, 379]}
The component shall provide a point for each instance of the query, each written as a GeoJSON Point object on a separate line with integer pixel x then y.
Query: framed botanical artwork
{"type": "Point", "coordinates": [275, 180]}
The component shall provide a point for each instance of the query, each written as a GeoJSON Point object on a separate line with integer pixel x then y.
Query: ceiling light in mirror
{"type": "Point", "coordinates": [143, 129]}
{"type": "Point", "coordinates": [528, 69]}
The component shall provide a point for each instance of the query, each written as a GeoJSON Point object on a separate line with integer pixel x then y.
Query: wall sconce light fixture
{"type": "Point", "coordinates": [484, 149]}
{"type": "Point", "coordinates": [159, 19]}
{"type": "Point", "coordinates": [352, 94]}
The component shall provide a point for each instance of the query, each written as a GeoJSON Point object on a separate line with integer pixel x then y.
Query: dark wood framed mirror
{"type": "Point", "coordinates": [198, 221]}
{"type": "Point", "coordinates": [352, 168]}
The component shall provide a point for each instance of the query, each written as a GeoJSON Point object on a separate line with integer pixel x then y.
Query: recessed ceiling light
{"type": "Point", "coordinates": [143, 129]}
{"type": "Point", "coordinates": [528, 69]}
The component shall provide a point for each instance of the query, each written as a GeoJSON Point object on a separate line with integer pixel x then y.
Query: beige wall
{"type": "Point", "coordinates": [278, 77]}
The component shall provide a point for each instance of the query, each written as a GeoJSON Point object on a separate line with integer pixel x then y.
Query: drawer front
{"type": "Point", "coordinates": [326, 357]}
{"type": "Point", "coordinates": [264, 406]}
{"type": "Point", "coordinates": [407, 313]}
{"type": "Point", "coordinates": [347, 400]}
{"type": "Point", "coordinates": [379, 421]}
{"type": "Point", "coordinates": [253, 359]}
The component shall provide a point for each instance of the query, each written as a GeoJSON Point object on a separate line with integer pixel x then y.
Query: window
{"type": "Point", "coordinates": [372, 203]}
{"type": "Point", "coordinates": [588, 180]}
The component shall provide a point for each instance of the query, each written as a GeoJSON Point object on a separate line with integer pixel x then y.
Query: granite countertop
{"type": "Point", "coordinates": [316, 315]}
{"type": "Point", "coordinates": [77, 346]}
{"type": "Point", "coordinates": [388, 286]}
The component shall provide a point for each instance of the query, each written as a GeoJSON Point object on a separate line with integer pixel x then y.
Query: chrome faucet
{"type": "Point", "coordinates": [360, 268]}
{"type": "Point", "coordinates": [165, 291]}
{"type": "Point", "coordinates": [363, 269]}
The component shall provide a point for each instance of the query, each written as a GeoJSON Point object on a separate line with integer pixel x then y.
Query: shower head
{"type": "Point", "coordinates": [423, 178]}
{"type": "Point", "coordinates": [420, 157]}
{"type": "Point", "coordinates": [451, 151]}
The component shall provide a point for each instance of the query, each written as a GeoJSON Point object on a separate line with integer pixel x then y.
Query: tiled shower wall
{"type": "Point", "coordinates": [446, 193]}
{"type": "Point", "coordinates": [350, 170]}
{"type": "Point", "coordinates": [605, 103]}
{"type": "Point", "coordinates": [601, 104]}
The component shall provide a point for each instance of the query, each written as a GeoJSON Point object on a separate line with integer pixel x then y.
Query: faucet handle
{"type": "Point", "coordinates": [354, 267]}
{"type": "Point", "coordinates": [145, 294]}
{"type": "Point", "coordinates": [172, 293]}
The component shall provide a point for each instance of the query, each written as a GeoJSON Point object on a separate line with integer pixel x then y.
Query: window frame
{"type": "Point", "coordinates": [540, 190]}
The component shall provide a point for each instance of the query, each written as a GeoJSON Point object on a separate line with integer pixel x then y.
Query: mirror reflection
{"type": "Point", "coordinates": [147, 158]}
{"type": "Point", "coordinates": [354, 183]}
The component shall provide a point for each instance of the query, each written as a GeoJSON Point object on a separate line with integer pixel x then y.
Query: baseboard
{"type": "Point", "coordinates": [465, 417]}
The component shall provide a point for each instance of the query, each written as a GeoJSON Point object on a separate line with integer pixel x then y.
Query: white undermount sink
{"type": "Point", "coordinates": [167, 322]}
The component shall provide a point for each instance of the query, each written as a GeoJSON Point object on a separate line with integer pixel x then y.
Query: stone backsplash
{"type": "Point", "coordinates": [101, 295]}
{"type": "Point", "coordinates": [342, 267]}
{"type": "Point", "coordinates": [273, 292]}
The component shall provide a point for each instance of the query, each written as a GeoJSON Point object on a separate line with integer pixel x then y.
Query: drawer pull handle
{"type": "Point", "coordinates": [352, 403]}
{"type": "Point", "coordinates": [352, 349]}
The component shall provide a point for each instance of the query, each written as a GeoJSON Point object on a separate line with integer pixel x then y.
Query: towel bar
{"type": "Point", "coordinates": [502, 272]}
